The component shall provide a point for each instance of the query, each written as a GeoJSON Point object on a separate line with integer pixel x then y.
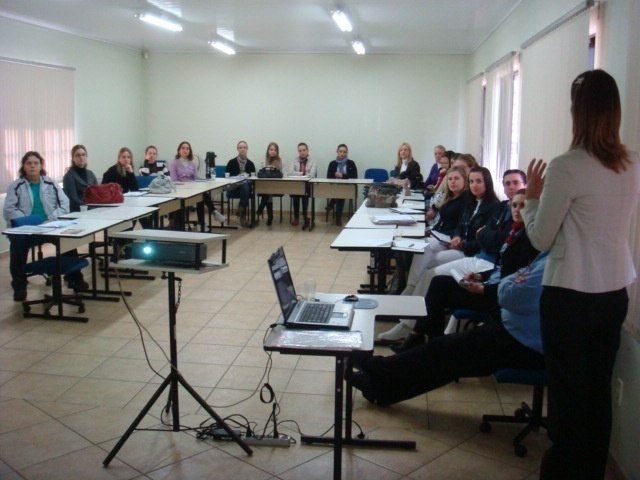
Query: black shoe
{"type": "Point", "coordinates": [362, 381]}
{"type": "Point", "coordinates": [20, 296]}
{"type": "Point", "coordinates": [412, 341]}
{"type": "Point", "coordinates": [78, 285]}
{"type": "Point", "coordinates": [269, 221]}
{"type": "Point", "coordinates": [306, 223]}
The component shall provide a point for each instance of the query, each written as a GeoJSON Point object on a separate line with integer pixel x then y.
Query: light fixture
{"type": "Point", "coordinates": [159, 22]}
{"type": "Point", "coordinates": [358, 47]}
{"type": "Point", "coordinates": [342, 20]}
{"type": "Point", "coordinates": [223, 47]}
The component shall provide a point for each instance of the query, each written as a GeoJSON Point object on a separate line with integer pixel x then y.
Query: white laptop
{"type": "Point", "coordinates": [303, 313]}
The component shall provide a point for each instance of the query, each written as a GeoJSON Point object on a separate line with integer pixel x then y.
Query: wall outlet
{"type": "Point", "coordinates": [620, 391]}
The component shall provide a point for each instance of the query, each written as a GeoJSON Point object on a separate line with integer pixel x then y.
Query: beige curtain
{"type": "Point", "coordinates": [36, 113]}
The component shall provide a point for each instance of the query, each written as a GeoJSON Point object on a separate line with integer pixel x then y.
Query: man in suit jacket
{"type": "Point", "coordinates": [237, 166]}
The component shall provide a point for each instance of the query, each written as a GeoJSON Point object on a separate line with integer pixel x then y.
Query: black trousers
{"type": "Point", "coordinates": [295, 200]}
{"type": "Point", "coordinates": [444, 294]}
{"type": "Point", "coordinates": [581, 336]}
{"type": "Point", "coordinates": [474, 353]}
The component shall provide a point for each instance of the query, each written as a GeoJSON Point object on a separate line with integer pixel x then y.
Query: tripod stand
{"type": "Point", "coordinates": [173, 379]}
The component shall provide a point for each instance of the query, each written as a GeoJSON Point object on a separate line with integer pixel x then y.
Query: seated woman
{"type": "Point", "coordinates": [516, 252]}
{"type": "Point", "coordinates": [33, 194]}
{"type": "Point", "coordinates": [78, 178]}
{"type": "Point", "coordinates": [514, 341]}
{"type": "Point", "coordinates": [122, 172]}
{"type": "Point", "coordinates": [303, 166]}
{"type": "Point", "coordinates": [444, 163]}
{"type": "Point", "coordinates": [454, 199]}
{"type": "Point", "coordinates": [342, 167]}
{"type": "Point", "coordinates": [477, 211]}
{"type": "Point", "coordinates": [151, 165]}
{"type": "Point", "coordinates": [184, 169]}
{"type": "Point", "coordinates": [407, 168]}
{"type": "Point", "coordinates": [271, 160]}
{"type": "Point", "coordinates": [477, 291]}
{"type": "Point", "coordinates": [241, 165]}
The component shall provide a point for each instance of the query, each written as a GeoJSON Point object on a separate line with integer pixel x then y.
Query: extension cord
{"type": "Point", "coordinates": [280, 441]}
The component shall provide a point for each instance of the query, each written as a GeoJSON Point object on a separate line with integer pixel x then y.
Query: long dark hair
{"type": "Point", "coordinates": [596, 112]}
{"type": "Point", "coordinates": [489, 192]}
{"type": "Point", "coordinates": [190, 157]}
{"type": "Point", "coordinates": [24, 160]}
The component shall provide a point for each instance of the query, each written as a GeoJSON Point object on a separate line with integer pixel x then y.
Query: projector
{"type": "Point", "coordinates": [188, 255]}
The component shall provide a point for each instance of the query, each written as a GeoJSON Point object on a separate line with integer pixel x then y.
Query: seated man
{"type": "Point", "coordinates": [514, 342]}
{"type": "Point", "coordinates": [237, 166]}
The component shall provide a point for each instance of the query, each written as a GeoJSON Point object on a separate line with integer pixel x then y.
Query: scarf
{"type": "Point", "coordinates": [342, 166]}
{"type": "Point", "coordinates": [516, 227]}
{"type": "Point", "coordinates": [303, 165]}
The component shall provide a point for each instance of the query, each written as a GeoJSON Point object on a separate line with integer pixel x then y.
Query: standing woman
{"type": "Point", "coordinates": [581, 211]}
{"type": "Point", "coordinates": [78, 178]}
{"type": "Point", "coordinates": [122, 172]}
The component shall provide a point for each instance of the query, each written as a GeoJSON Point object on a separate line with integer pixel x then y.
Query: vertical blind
{"type": "Point", "coordinates": [547, 68]}
{"type": "Point", "coordinates": [498, 117]}
{"type": "Point", "coordinates": [36, 113]}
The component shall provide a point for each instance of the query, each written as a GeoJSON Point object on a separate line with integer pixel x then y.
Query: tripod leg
{"type": "Point", "coordinates": [135, 423]}
{"type": "Point", "coordinates": [217, 417]}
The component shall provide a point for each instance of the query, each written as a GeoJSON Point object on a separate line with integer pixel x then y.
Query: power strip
{"type": "Point", "coordinates": [280, 441]}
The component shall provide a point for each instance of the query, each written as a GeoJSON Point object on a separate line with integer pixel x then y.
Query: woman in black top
{"type": "Point", "coordinates": [122, 172]}
{"type": "Point", "coordinates": [77, 178]}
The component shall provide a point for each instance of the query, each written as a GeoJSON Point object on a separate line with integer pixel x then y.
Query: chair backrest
{"type": "Point", "coordinates": [220, 170]}
{"type": "Point", "coordinates": [144, 180]}
{"type": "Point", "coordinates": [376, 174]}
{"type": "Point", "coordinates": [392, 173]}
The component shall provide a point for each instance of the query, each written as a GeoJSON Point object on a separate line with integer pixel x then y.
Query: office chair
{"type": "Point", "coordinates": [531, 416]}
{"type": "Point", "coordinates": [144, 180]}
{"type": "Point", "coordinates": [34, 244]}
{"type": "Point", "coordinates": [376, 174]}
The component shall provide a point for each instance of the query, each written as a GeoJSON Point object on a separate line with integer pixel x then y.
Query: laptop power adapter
{"type": "Point", "coordinates": [260, 440]}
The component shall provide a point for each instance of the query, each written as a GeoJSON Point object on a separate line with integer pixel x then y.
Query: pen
{"type": "Point", "coordinates": [411, 245]}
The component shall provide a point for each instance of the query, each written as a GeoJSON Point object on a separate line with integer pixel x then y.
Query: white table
{"type": "Point", "coordinates": [284, 341]}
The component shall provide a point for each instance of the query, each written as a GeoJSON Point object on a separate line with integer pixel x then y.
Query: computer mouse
{"type": "Point", "coordinates": [351, 298]}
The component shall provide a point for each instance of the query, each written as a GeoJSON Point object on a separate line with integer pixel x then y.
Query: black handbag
{"type": "Point", "coordinates": [269, 172]}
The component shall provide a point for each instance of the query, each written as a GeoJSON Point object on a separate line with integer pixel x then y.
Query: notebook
{"type": "Point", "coordinates": [303, 313]}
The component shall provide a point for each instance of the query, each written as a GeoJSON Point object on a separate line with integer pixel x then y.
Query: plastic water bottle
{"type": "Point", "coordinates": [213, 172]}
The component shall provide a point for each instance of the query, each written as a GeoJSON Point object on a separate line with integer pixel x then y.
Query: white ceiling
{"type": "Point", "coordinates": [275, 26]}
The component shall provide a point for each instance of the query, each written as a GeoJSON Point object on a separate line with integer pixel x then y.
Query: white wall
{"type": "Point", "coordinates": [370, 103]}
{"type": "Point", "coordinates": [620, 58]}
{"type": "Point", "coordinates": [108, 89]}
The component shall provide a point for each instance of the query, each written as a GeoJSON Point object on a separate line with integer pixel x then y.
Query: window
{"type": "Point", "coordinates": [36, 113]}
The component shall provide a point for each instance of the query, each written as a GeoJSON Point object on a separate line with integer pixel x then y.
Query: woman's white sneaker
{"type": "Point", "coordinates": [395, 334]}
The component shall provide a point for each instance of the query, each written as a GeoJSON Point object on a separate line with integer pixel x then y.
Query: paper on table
{"type": "Point", "coordinates": [408, 210]}
{"type": "Point", "coordinates": [58, 224]}
{"type": "Point", "coordinates": [317, 339]}
{"type": "Point", "coordinates": [409, 245]}
{"type": "Point", "coordinates": [134, 194]}
{"type": "Point", "coordinates": [391, 219]}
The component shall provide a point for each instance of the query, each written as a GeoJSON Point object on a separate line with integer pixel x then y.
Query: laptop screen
{"type": "Point", "coordinates": [283, 282]}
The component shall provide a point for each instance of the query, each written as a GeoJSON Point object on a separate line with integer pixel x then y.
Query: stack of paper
{"type": "Point", "coordinates": [393, 219]}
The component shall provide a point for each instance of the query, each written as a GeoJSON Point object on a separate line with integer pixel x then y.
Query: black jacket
{"type": "Point", "coordinates": [352, 170]}
{"type": "Point", "coordinates": [470, 223]}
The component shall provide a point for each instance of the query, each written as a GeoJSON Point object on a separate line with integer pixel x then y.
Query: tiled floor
{"type": "Point", "coordinates": [68, 391]}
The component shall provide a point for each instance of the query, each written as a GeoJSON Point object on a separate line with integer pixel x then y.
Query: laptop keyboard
{"type": "Point", "coordinates": [316, 312]}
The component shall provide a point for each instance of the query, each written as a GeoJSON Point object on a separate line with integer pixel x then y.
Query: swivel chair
{"type": "Point", "coordinates": [376, 174]}
{"type": "Point", "coordinates": [531, 416]}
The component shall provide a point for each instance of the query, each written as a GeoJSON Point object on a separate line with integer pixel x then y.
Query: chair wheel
{"type": "Point", "coordinates": [81, 309]}
{"type": "Point", "coordinates": [520, 450]}
{"type": "Point", "coordinates": [485, 427]}
{"type": "Point", "coordinates": [520, 414]}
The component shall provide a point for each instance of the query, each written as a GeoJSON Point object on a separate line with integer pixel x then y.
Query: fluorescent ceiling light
{"type": "Point", "coordinates": [223, 47]}
{"type": "Point", "coordinates": [358, 47]}
{"type": "Point", "coordinates": [159, 22]}
{"type": "Point", "coordinates": [342, 20]}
